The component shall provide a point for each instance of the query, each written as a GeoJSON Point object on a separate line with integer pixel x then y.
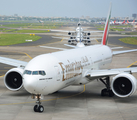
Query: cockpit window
{"type": "Point", "coordinates": [42, 73]}
{"type": "Point", "coordinates": [35, 73]}
{"type": "Point", "coordinates": [28, 72]}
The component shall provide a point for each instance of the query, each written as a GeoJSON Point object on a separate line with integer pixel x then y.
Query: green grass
{"type": "Point", "coordinates": [132, 33]}
{"type": "Point", "coordinates": [116, 29]}
{"type": "Point", "coordinates": [45, 25]}
{"type": "Point", "coordinates": [9, 30]}
{"type": "Point", "coordinates": [31, 31]}
{"type": "Point", "coordinates": [24, 25]}
{"type": "Point", "coordinates": [100, 28]}
{"type": "Point", "coordinates": [122, 26]}
{"type": "Point", "coordinates": [129, 40]}
{"type": "Point", "coordinates": [1, 29]}
{"type": "Point", "coordinates": [112, 29]}
{"type": "Point", "coordinates": [11, 39]}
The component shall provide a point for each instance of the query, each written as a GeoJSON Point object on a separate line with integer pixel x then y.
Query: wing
{"type": "Point", "coordinates": [125, 51]}
{"type": "Point", "coordinates": [61, 38]}
{"type": "Point", "coordinates": [92, 31]}
{"type": "Point", "coordinates": [109, 72]}
{"type": "Point", "coordinates": [12, 62]}
{"type": "Point", "coordinates": [62, 31]}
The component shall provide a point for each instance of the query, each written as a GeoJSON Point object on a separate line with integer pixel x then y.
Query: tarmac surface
{"type": "Point", "coordinates": [71, 103]}
{"type": "Point", "coordinates": [43, 40]}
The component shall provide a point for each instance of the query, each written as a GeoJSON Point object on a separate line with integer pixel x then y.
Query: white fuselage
{"type": "Point", "coordinates": [79, 36]}
{"type": "Point", "coordinates": [65, 68]}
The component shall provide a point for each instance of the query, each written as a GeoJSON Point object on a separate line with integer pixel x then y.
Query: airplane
{"type": "Point", "coordinates": [119, 23]}
{"type": "Point", "coordinates": [131, 23]}
{"type": "Point", "coordinates": [79, 38]}
{"type": "Point", "coordinates": [40, 21]}
{"type": "Point", "coordinates": [85, 35]}
{"type": "Point", "coordinates": [48, 73]}
{"type": "Point", "coordinates": [112, 22]}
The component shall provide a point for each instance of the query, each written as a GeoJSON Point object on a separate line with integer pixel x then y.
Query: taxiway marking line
{"type": "Point", "coordinates": [131, 64]}
{"type": "Point", "coordinates": [18, 52]}
{"type": "Point", "coordinates": [52, 42]}
{"type": "Point", "coordinates": [96, 40]}
{"type": "Point", "coordinates": [47, 99]}
{"type": "Point", "coordinates": [28, 55]}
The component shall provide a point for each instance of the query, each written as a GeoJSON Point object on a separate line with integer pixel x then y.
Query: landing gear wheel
{"type": "Point", "coordinates": [40, 108]}
{"type": "Point", "coordinates": [111, 94]}
{"type": "Point", "coordinates": [103, 92]}
{"type": "Point", "coordinates": [36, 108]}
{"type": "Point", "coordinates": [106, 92]}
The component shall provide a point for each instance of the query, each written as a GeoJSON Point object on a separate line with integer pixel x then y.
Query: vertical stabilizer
{"type": "Point", "coordinates": [106, 29]}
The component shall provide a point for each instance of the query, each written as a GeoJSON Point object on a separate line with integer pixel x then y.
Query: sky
{"type": "Point", "coordinates": [69, 8]}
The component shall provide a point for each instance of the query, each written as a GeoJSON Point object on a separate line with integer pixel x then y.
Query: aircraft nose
{"type": "Point", "coordinates": [30, 83]}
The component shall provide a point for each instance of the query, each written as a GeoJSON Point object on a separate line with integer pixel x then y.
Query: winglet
{"type": "Point", "coordinates": [106, 29]}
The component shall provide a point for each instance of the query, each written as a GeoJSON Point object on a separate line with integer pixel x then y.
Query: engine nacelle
{"type": "Point", "coordinates": [88, 33]}
{"type": "Point", "coordinates": [88, 38]}
{"type": "Point", "coordinates": [89, 41]}
{"type": "Point", "coordinates": [124, 85]}
{"type": "Point", "coordinates": [69, 33]}
{"type": "Point", "coordinates": [71, 37]}
{"type": "Point", "coordinates": [13, 79]}
{"type": "Point", "coordinates": [69, 41]}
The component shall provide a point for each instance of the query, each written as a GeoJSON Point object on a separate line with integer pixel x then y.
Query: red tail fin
{"type": "Point", "coordinates": [123, 22]}
{"type": "Point", "coordinates": [127, 21]}
{"type": "Point", "coordinates": [106, 29]}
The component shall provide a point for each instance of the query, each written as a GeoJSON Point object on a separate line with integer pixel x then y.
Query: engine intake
{"type": "Point", "coordinates": [88, 33]}
{"type": "Point", "coordinates": [124, 85]}
{"type": "Point", "coordinates": [69, 33]}
{"type": "Point", "coordinates": [13, 79]}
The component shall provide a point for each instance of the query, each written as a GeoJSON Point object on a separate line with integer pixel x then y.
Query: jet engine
{"type": "Point", "coordinates": [71, 37]}
{"type": "Point", "coordinates": [89, 41]}
{"type": "Point", "coordinates": [124, 85]}
{"type": "Point", "coordinates": [88, 33]}
{"type": "Point", "coordinates": [69, 33]}
{"type": "Point", "coordinates": [88, 38]}
{"type": "Point", "coordinates": [13, 79]}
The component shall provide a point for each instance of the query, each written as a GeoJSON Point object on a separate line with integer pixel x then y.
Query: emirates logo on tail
{"type": "Point", "coordinates": [106, 29]}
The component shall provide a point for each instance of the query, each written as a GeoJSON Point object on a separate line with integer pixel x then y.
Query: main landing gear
{"type": "Point", "coordinates": [107, 91]}
{"type": "Point", "coordinates": [38, 107]}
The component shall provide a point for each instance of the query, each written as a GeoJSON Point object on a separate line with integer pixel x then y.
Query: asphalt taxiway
{"type": "Point", "coordinates": [71, 103]}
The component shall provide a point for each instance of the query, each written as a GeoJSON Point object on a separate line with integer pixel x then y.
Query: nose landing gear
{"type": "Point", "coordinates": [38, 107]}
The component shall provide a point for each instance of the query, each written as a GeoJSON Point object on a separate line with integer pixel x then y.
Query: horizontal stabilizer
{"type": "Point", "coordinates": [53, 48]}
{"type": "Point", "coordinates": [125, 51]}
{"type": "Point", "coordinates": [116, 48]}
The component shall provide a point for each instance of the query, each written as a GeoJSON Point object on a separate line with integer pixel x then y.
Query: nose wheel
{"type": "Point", "coordinates": [38, 107]}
